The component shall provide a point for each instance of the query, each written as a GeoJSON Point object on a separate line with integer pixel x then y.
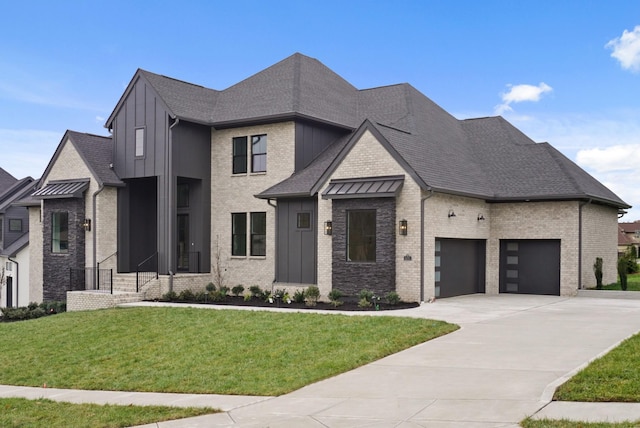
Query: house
{"type": "Point", "coordinates": [294, 177]}
{"type": "Point", "coordinates": [14, 240]}
{"type": "Point", "coordinates": [629, 235]}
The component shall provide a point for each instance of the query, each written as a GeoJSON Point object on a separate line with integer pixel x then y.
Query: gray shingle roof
{"type": "Point", "coordinates": [97, 151]}
{"type": "Point", "coordinates": [6, 180]}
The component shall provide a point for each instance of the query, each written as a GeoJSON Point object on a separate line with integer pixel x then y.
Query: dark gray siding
{"type": "Point", "coordinates": [14, 213]}
{"type": "Point", "coordinates": [137, 222]}
{"type": "Point", "coordinates": [311, 140]}
{"type": "Point", "coordinates": [352, 277]}
{"type": "Point", "coordinates": [56, 267]}
{"type": "Point", "coordinates": [296, 247]}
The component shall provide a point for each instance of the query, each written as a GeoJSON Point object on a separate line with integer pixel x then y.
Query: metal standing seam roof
{"type": "Point", "coordinates": [66, 189]}
{"type": "Point", "coordinates": [377, 187]}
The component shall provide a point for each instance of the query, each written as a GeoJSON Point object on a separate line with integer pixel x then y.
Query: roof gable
{"type": "Point", "coordinates": [6, 180]}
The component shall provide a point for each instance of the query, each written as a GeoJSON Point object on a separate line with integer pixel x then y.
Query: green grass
{"type": "Point", "coordinates": [23, 413]}
{"type": "Point", "coordinates": [633, 283]}
{"type": "Point", "coordinates": [613, 377]}
{"type": "Point", "coordinates": [199, 351]}
{"type": "Point", "coordinates": [546, 423]}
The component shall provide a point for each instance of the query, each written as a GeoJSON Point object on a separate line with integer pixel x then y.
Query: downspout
{"type": "Point", "coordinates": [170, 191]}
{"type": "Point", "coordinates": [17, 280]}
{"type": "Point", "coordinates": [95, 233]}
{"type": "Point", "coordinates": [422, 201]}
{"type": "Point", "coordinates": [275, 256]}
{"type": "Point", "coordinates": [582, 204]}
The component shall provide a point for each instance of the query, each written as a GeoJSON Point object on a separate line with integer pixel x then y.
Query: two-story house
{"type": "Point", "coordinates": [294, 177]}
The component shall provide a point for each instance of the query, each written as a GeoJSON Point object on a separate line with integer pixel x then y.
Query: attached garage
{"type": "Point", "coordinates": [530, 266]}
{"type": "Point", "coordinates": [460, 267]}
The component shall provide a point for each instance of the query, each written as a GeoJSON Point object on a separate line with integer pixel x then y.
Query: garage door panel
{"type": "Point", "coordinates": [460, 266]}
{"type": "Point", "coordinates": [530, 266]}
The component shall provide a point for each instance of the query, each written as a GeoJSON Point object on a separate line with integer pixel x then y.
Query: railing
{"type": "Point", "coordinates": [99, 280]}
{"type": "Point", "coordinates": [189, 261]}
{"type": "Point", "coordinates": [146, 271]}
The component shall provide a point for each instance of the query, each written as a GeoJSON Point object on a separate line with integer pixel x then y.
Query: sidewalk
{"type": "Point", "coordinates": [500, 367]}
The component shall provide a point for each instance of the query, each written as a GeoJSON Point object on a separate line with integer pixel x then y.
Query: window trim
{"type": "Point", "coordinates": [237, 142]}
{"type": "Point", "coordinates": [59, 231]}
{"type": "Point", "coordinates": [139, 144]}
{"type": "Point", "coordinates": [13, 222]}
{"type": "Point", "coordinates": [241, 232]}
{"type": "Point", "coordinates": [253, 251]}
{"type": "Point", "coordinates": [309, 219]}
{"type": "Point", "coordinates": [349, 257]}
{"type": "Point", "coordinates": [255, 139]}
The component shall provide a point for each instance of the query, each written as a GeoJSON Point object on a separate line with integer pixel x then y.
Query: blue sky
{"type": "Point", "coordinates": [566, 72]}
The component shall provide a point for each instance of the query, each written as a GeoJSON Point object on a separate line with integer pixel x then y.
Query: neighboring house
{"type": "Point", "coordinates": [629, 235]}
{"type": "Point", "coordinates": [14, 241]}
{"type": "Point", "coordinates": [294, 177]}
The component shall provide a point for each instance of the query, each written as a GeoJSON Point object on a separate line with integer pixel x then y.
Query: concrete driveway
{"type": "Point", "coordinates": [501, 366]}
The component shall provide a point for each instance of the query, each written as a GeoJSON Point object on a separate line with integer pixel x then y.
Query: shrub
{"type": "Point", "coordinates": [392, 298]}
{"type": "Point", "coordinates": [237, 290]}
{"type": "Point", "coordinates": [597, 270]}
{"type": "Point", "coordinates": [186, 296]}
{"type": "Point", "coordinates": [247, 297]}
{"type": "Point", "coordinates": [334, 296]}
{"type": "Point", "coordinates": [312, 294]}
{"type": "Point", "coordinates": [218, 295]}
{"type": "Point", "coordinates": [210, 287]}
{"type": "Point", "coordinates": [298, 296]}
{"type": "Point", "coordinates": [201, 296]}
{"type": "Point", "coordinates": [366, 294]}
{"type": "Point", "coordinates": [256, 292]}
{"type": "Point", "coordinates": [364, 303]}
{"type": "Point", "coordinates": [224, 290]}
{"type": "Point", "coordinates": [622, 271]}
{"type": "Point", "coordinates": [54, 307]}
{"type": "Point", "coordinates": [170, 296]}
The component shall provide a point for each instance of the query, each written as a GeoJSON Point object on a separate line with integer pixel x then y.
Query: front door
{"type": "Point", "coordinates": [183, 242]}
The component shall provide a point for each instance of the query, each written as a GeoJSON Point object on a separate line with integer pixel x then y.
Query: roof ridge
{"type": "Point", "coordinates": [175, 80]}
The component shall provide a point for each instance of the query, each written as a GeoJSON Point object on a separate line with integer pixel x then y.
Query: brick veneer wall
{"type": "Point", "coordinates": [351, 277]}
{"type": "Point", "coordinates": [599, 239]}
{"type": "Point", "coordinates": [56, 266]}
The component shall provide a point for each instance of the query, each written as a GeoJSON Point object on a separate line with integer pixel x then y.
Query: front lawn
{"type": "Point", "coordinates": [633, 283]}
{"type": "Point", "coordinates": [23, 413]}
{"type": "Point", "coordinates": [546, 423]}
{"type": "Point", "coordinates": [199, 351]}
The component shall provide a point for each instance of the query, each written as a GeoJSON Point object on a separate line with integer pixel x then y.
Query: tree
{"type": "Point", "coordinates": [597, 270]}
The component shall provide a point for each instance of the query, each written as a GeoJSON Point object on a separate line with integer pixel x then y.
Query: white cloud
{"type": "Point", "coordinates": [520, 93]}
{"type": "Point", "coordinates": [26, 152]}
{"type": "Point", "coordinates": [626, 49]}
{"type": "Point", "coordinates": [610, 159]}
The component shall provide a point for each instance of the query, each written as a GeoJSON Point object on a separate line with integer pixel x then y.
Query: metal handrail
{"type": "Point", "coordinates": [145, 274]}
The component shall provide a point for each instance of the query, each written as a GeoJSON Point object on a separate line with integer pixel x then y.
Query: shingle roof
{"type": "Point", "coordinates": [98, 154]}
{"type": "Point", "coordinates": [6, 180]}
{"type": "Point", "coordinates": [17, 245]}
{"type": "Point", "coordinates": [16, 192]}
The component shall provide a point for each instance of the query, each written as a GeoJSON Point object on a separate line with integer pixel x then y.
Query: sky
{"type": "Point", "coordinates": [564, 72]}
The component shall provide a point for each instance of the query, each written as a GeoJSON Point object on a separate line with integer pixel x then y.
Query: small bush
{"type": "Point", "coordinates": [186, 296]}
{"type": "Point", "coordinates": [597, 270]}
{"type": "Point", "coordinates": [334, 296]}
{"type": "Point", "coordinates": [170, 296]}
{"type": "Point", "coordinates": [224, 290]}
{"type": "Point", "coordinates": [366, 294]}
{"type": "Point", "coordinates": [256, 292]}
{"type": "Point", "coordinates": [312, 294]}
{"type": "Point", "coordinates": [238, 290]}
{"type": "Point", "coordinates": [622, 271]}
{"type": "Point", "coordinates": [201, 296]}
{"type": "Point", "coordinates": [392, 298]}
{"type": "Point", "coordinates": [298, 296]}
{"type": "Point", "coordinates": [210, 287]}
{"type": "Point", "coordinates": [54, 307]}
{"type": "Point", "coordinates": [364, 303]}
{"type": "Point", "coordinates": [247, 297]}
{"type": "Point", "coordinates": [218, 296]}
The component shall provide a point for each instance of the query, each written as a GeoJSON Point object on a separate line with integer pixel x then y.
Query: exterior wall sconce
{"type": "Point", "coordinates": [328, 227]}
{"type": "Point", "coordinates": [480, 217]}
{"type": "Point", "coordinates": [86, 224]}
{"type": "Point", "coordinates": [451, 214]}
{"type": "Point", "coordinates": [403, 229]}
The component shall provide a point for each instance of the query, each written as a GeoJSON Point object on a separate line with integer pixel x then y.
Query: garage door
{"type": "Point", "coordinates": [460, 267]}
{"type": "Point", "coordinates": [530, 266]}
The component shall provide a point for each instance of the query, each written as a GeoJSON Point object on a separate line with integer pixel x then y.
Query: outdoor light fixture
{"type": "Point", "coordinates": [403, 227]}
{"type": "Point", "coordinates": [451, 214]}
{"type": "Point", "coordinates": [480, 217]}
{"type": "Point", "coordinates": [86, 224]}
{"type": "Point", "coordinates": [328, 227]}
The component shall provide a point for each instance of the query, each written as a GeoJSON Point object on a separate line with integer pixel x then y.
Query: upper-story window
{"type": "Point", "coordinates": [15, 225]}
{"type": "Point", "coordinates": [259, 153]}
{"type": "Point", "coordinates": [240, 155]}
{"type": "Point", "coordinates": [139, 142]}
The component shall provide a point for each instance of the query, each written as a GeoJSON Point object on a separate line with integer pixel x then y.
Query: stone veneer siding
{"type": "Point", "coordinates": [352, 277]}
{"type": "Point", "coordinates": [56, 266]}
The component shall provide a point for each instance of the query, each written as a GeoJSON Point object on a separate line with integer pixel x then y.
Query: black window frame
{"type": "Point", "coordinates": [239, 234]}
{"type": "Point", "coordinates": [258, 234]}
{"type": "Point", "coordinates": [361, 235]}
{"type": "Point", "coordinates": [239, 155]}
{"type": "Point", "coordinates": [60, 228]}
{"type": "Point", "coordinates": [258, 154]}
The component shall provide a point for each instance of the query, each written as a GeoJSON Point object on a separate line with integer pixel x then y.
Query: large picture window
{"type": "Point", "coordinates": [240, 155]}
{"type": "Point", "coordinates": [239, 234]}
{"type": "Point", "coordinates": [60, 232]}
{"type": "Point", "coordinates": [259, 234]}
{"type": "Point", "coordinates": [361, 236]}
{"type": "Point", "coordinates": [259, 153]}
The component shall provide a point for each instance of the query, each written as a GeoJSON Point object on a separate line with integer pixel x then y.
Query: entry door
{"type": "Point", "coordinates": [183, 242]}
{"type": "Point", "coordinates": [9, 292]}
{"type": "Point", "coordinates": [530, 266]}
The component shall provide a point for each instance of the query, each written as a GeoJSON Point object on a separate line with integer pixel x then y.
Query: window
{"type": "Point", "coordinates": [304, 221]}
{"type": "Point", "coordinates": [259, 153]}
{"type": "Point", "coordinates": [361, 236]}
{"type": "Point", "coordinates": [240, 155]}
{"type": "Point", "coordinates": [183, 195]}
{"type": "Point", "coordinates": [60, 232]}
{"type": "Point", "coordinates": [259, 234]}
{"type": "Point", "coordinates": [239, 234]}
{"type": "Point", "coordinates": [15, 225]}
{"type": "Point", "coordinates": [139, 142]}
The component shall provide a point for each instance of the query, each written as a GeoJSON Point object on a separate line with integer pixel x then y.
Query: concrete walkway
{"type": "Point", "coordinates": [503, 365]}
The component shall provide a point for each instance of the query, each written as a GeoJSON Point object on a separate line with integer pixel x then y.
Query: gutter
{"type": "Point", "coordinates": [275, 256]}
{"type": "Point", "coordinates": [17, 280]}
{"type": "Point", "coordinates": [422, 201]}
{"type": "Point", "coordinates": [170, 196]}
